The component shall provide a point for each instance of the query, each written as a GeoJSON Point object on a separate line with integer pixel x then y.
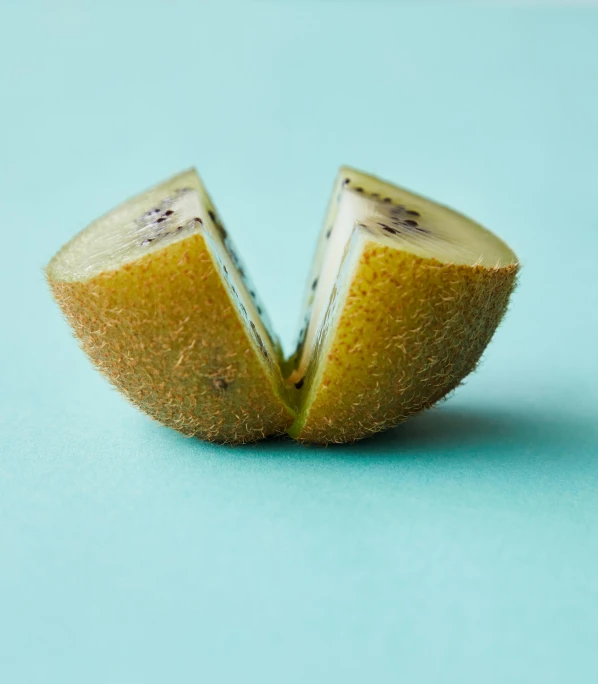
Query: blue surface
{"type": "Point", "coordinates": [461, 547]}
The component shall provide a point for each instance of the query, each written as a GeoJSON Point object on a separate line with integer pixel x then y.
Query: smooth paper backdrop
{"type": "Point", "coordinates": [460, 547]}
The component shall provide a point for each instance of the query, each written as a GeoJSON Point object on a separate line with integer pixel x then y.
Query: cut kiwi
{"type": "Point", "coordinates": [161, 304]}
{"type": "Point", "coordinates": [403, 297]}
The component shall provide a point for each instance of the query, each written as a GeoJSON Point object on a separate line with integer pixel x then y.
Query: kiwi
{"type": "Point", "coordinates": [160, 302]}
{"type": "Point", "coordinates": [403, 297]}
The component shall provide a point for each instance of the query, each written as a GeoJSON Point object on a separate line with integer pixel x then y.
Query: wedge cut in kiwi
{"type": "Point", "coordinates": [403, 297]}
{"type": "Point", "coordinates": [160, 302]}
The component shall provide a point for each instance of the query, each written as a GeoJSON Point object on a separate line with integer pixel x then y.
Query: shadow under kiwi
{"type": "Point", "coordinates": [451, 430]}
{"type": "Point", "coordinates": [456, 432]}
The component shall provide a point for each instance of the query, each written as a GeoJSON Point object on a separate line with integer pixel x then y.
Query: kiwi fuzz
{"type": "Point", "coordinates": [375, 365]}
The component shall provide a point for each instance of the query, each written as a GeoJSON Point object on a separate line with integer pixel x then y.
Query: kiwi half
{"type": "Point", "coordinates": [157, 295]}
{"type": "Point", "coordinates": [403, 297]}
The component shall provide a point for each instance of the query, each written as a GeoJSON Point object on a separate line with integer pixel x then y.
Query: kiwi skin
{"type": "Point", "coordinates": [163, 330]}
{"type": "Point", "coordinates": [408, 332]}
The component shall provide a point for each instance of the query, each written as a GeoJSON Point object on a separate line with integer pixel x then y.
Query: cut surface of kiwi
{"type": "Point", "coordinates": [403, 297]}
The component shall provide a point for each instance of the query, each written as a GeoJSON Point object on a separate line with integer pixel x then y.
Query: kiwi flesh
{"type": "Point", "coordinates": [403, 297]}
{"type": "Point", "coordinates": [161, 303]}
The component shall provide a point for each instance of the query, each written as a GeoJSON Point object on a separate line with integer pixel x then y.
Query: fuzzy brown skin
{"type": "Point", "coordinates": [410, 330]}
{"type": "Point", "coordinates": [163, 330]}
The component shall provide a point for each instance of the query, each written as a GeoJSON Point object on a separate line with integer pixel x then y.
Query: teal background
{"type": "Point", "coordinates": [461, 547]}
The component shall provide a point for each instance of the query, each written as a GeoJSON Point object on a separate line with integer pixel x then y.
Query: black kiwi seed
{"type": "Point", "coordinates": [147, 241]}
{"type": "Point", "coordinates": [346, 181]}
{"type": "Point", "coordinates": [260, 343]}
{"type": "Point", "coordinates": [169, 212]}
{"type": "Point", "coordinates": [329, 233]}
{"type": "Point", "coordinates": [410, 222]}
{"type": "Point", "coordinates": [179, 227]}
{"type": "Point", "coordinates": [212, 215]}
{"type": "Point", "coordinates": [358, 189]}
{"type": "Point", "coordinates": [299, 384]}
{"type": "Point", "coordinates": [225, 270]}
{"type": "Point", "coordinates": [162, 218]}
{"type": "Point", "coordinates": [375, 194]}
{"type": "Point", "coordinates": [252, 293]}
{"type": "Point", "coordinates": [387, 199]}
{"type": "Point", "coordinates": [198, 220]}
{"type": "Point", "coordinates": [259, 310]}
{"type": "Point", "coordinates": [412, 212]}
{"type": "Point", "coordinates": [314, 284]}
